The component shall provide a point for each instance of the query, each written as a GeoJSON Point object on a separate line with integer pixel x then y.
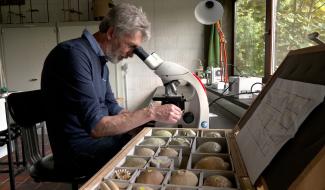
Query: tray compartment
{"type": "Point", "coordinates": [177, 159]}
{"type": "Point", "coordinates": [195, 157]}
{"type": "Point", "coordinates": [126, 161]}
{"type": "Point", "coordinates": [229, 175]}
{"type": "Point", "coordinates": [221, 141]}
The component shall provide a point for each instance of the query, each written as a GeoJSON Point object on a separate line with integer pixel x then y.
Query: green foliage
{"type": "Point", "coordinates": [249, 45]}
{"type": "Point", "coordinates": [295, 19]}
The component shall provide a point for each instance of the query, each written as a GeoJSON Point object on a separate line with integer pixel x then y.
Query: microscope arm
{"type": "Point", "coordinates": [161, 68]}
{"type": "Point", "coordinates": [169, 71]}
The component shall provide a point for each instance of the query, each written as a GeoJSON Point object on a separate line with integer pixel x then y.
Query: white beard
{"type": "Point", "coordinates": [113, 59]}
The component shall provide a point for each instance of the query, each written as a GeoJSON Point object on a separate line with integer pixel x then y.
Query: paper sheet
{"type": "Point", "coordinates": [276, 120]}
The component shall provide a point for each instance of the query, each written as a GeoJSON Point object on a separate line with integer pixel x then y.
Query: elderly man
{"type": "Point", "coordinates": [86, 126]}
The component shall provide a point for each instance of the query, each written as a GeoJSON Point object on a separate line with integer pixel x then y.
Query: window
{"type": "Point", "coordinates": [293, 21]}
{"type": "Point", "coordinates": [249, 37]}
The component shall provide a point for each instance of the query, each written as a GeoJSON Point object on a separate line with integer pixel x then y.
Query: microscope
{"type": "Point", "coordinates": [190, 97]}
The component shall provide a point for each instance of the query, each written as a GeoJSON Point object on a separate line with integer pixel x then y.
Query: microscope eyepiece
{"type": "Point", "coordinates": [152, 60]}
{"type": "Point", "coordinates": [141, 53]}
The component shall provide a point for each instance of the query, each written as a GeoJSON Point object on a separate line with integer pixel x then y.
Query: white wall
{"type": "Point", "coordinates": [176, 37]}
{"type": "Point", "coordinates": [24, 51]}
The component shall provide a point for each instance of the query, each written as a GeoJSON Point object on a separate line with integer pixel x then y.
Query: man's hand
{"type": "Point", "coordinates": [126, 121]}
{"type": "Point", "coordinates": [168, 113]}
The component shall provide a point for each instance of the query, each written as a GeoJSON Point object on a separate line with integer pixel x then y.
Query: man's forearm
{"type": "Point", "coordinates": [121, 123]}
{"type": "Point", "coordinates": [125, 121]}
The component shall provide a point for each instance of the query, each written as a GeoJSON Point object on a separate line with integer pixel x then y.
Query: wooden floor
{"type": "Point", "coordinates": [24, 181]}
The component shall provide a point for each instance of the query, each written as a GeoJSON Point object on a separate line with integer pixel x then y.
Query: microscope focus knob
{"type": "Point", "coordinates": [188, 117]}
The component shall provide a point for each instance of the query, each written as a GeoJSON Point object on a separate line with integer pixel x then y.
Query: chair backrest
{"type": "Point", "coordinates": [26, 110]}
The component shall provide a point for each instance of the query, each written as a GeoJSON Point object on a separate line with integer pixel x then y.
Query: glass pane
{"type": "Point", "coordinates": [295, 20]}
{"type": "Point", "coordinates": [249, 37]}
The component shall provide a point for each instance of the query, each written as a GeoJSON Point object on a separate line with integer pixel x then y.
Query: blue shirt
{"type": "Point", "coordinates": [77, 94]}
{"type": "Point", "coordinates": [93, 43]}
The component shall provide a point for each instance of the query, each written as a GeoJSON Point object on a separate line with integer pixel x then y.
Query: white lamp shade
{"type": "Point", "coordinates": [208, 15]}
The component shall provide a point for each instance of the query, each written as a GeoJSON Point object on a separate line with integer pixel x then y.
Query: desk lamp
{"type": "Point", "coordinates": [209, 12]}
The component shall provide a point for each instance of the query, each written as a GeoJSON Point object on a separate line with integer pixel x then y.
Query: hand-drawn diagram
{"type": "Point", "coordinates": [276, 120]}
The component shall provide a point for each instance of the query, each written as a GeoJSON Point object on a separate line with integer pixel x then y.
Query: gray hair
{"type": "Point", "coordinates": [126, 19]}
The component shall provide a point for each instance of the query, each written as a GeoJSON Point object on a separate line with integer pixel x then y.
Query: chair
{"type": "Point", "coordinates": [6, 137]}
{"type": "Point", "coordinates": [26, 110]}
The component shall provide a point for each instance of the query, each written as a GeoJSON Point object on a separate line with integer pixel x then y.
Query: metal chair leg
{"type": "Point", "coordinates": [23, 152]}
{"type": "Point", "coordinates": [11, 167]}
{"type": "Point", "coordinates": [43, 140]}
{"type": "Point", "coordinates": [17, 153]}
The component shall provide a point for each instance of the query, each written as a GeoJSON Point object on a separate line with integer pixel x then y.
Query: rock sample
{"type": "Point", "coordinates": [154, 141]}
{"type": "Point", "coordinates": [217, 181]}
{"type": "Point", "coordinates": [108, 185]}
{"type": "Point", "coordinates": [161, 162]}
{"type": "Point", "coordinates": [180, 141]}
{"type": "Point", "coordinates": [162, 133]}
{"type": "Point", "coordinates": [209, 147]}
{"type": "Point", "coordinates": [122, 174]}
{"type": "Point", "coordinates": [183, 177]}
{"type": "Point", "coordinates": [142, 187]}
{"type": "Point", "coordinates": [135, 162]}
{"type": "Point", "coordinates": [213, 134]}
{"type": "Point", "coordinates": [170, 152]}
{"type": "Point", "coordinates": [144, 152]}
{"type": "Point", "coordinates": [211, 163]}
{"type": "Point", "coordinates": [150, 176]}
{"type": "Point", "coordinates": [186, 133]}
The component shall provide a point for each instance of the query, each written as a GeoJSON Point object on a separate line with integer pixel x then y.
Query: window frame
{"type": "Point", "coordinates": [269, 38]}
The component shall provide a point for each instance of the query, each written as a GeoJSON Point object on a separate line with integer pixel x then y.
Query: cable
{"type": "Point", "coordinates": [236, 80]}
{"type": "Point", "coordinates": [256, 84]}
{"type": "Point", "coordinates": [225, 90]}
{"type": "Point", "coordinates": [231, 95]}
{"type": "Point", "coordinates": [229, 86]}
